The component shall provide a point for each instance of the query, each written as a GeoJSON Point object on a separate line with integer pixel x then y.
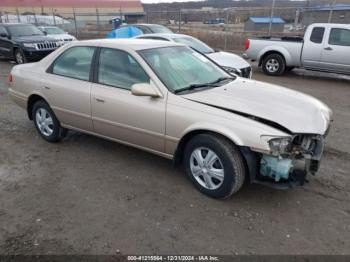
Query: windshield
{"type": "Point", "coordinates": [53, 31]}
{"type": "Point", "coordinates": [24, 30]}
{"type": "Point", "coordinates": [160, 29]}
{"type": "Point", "coordinates": [181, 68]}
{"type": "Point", "coordinates": [195, 44]}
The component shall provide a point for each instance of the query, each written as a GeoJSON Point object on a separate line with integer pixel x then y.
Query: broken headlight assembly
{"type": "Point", "coordinates": [280, 145]}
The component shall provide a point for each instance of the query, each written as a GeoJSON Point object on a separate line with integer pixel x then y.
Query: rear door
{"type": "Point", "coordinates": [336, 53]}
{"type": "Point", "coordinates": [67, 87]}
{"type": "Point", "coordinates": [313, 48]}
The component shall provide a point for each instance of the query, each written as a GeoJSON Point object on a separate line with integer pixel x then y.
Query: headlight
{"type": "Point", "coordinates": [29, 45]}
{"type": "Point", "coordinates": [280, 145]}
{"type": "Point", "coordinates": [232, 70]}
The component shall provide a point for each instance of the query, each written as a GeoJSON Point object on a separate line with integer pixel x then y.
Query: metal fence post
{"type": "Point", "coordinates": [18, 17]}
{"type": "Point", "coordinates": [271, 17]}
{"type": "Point", "coordinates": [75, 23]}
{"type": "Point", "coordinates": [98, 20]}
{"type": "Point", "coordinates": [180, 18]}
{"type": "Point", "coordinates": [226, 27]}
{"type": "Point", "coordinates": [331, 11]}
{"type": "Point", "coordinates": [53, 16]}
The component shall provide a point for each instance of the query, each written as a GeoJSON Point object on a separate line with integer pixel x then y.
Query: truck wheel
{"type": "Point", "coordinates": [20, 58]}
{"type": "Point", "coordinates": [214, 165]}
{"type": "Point", "coordinates": [274, 65]}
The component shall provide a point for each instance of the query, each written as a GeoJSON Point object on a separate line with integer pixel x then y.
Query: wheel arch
{"type": "Point", "coordinates": [250, 158]}
{"type": "Point", "coordinates": [32, 99]}
{"type": "Point", "coordinates": [279, 51]}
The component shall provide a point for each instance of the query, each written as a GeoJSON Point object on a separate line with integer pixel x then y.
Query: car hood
{"type": "Point", "coordinates": [61, 36]}
{"type": "Point", "coordinates": [33, 39]}
{"type": "Point", "coordinates": [295, 111]}
{"type": "Point", "coordinates": [229, 60]}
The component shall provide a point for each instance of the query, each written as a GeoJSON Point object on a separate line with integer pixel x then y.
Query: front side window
{"type": "Point", "coordinates": [24, 30]}
{"type": "Point", "coordinates": [119, 69]}
{"type": "Point", "coordinates": [339, 37]}
{"type": "Point", "coordinates": [180, 67]}
{"type": "Point", "coordinates": [75, 63]}
{"type": "Point", "coordinates": [3, 30]}
{"type": "Point", "coordinates": [317, 35]}
{"type": "Point", "coordinates": [195, 44]}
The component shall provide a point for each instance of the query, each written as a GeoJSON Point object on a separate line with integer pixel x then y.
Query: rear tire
{"type": "Point", "coordinates": [214, 165]}
{"type": "Point", "coordinates": [274, 65]}
{"type": "Point", "coordinates": [20, 57]}
{"type": "Point", "coordinates": [46, 122]}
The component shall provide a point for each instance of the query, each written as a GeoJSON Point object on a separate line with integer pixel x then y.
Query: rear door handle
{"type": "Point", "coordinates": [99, 100]}
{"type": "Point", "coordinates": [328, 48]}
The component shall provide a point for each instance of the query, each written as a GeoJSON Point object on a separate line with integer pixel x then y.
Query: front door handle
{"type": "Point", "coordinates": [46, 87]}
{"type": "Point", "coordinates": [328, 48]}
{"type": "Point", "coordinates": [99, 100]}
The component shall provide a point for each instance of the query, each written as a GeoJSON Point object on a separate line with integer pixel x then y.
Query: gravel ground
{"type": "Point", "coordinates": [90, 196]}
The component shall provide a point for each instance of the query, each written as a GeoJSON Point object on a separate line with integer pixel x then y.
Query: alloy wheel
{"type": "Point", "coordinates": [272, 65]}
{"type": "Point", "coordinates": [44, 122]}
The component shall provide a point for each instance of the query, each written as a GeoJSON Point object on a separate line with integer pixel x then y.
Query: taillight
{"type": "Point", "coordinates": [247, 44]}
{"type": "Point", "coordinates": [10, 78]}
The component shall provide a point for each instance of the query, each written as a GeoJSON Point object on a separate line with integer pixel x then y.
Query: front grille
{"type": "Point", "coordinates": [47, 46]}
{"type": "Point", "coordinates": [245, 72]}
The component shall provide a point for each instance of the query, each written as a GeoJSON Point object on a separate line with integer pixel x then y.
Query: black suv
{"type": "Point", "coordinates": [25, 42]}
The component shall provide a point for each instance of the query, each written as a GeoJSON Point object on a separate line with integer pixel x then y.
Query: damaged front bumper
{"type": "Point", "coordinates": [287, 170]}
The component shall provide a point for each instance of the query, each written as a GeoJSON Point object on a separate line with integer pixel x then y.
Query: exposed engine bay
{"type": "Point", "coordinates": [294, 159]}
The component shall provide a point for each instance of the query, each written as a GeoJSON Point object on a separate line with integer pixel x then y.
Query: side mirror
{"type": "Point", "coordinates": [45, 33]}
{"type": "Point", "coordinates": [4, 35]}
{"type": "Point", "coordinates": [144, 89]}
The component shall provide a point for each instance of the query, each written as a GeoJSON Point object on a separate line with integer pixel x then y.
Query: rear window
{"type": "Point", "coordinates": [317, 35]}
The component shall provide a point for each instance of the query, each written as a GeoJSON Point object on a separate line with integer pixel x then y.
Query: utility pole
{"type": "Point", "coordinates": [271, 17]}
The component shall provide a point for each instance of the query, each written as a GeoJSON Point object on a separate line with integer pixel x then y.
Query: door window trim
{"type": "Point", "coordinates": [49, 70]}
{"type": "Point", "coordinates": [97, 65]}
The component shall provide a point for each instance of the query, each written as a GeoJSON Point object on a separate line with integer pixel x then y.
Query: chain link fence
{"type": "Point", "coordinates": [224, 29]}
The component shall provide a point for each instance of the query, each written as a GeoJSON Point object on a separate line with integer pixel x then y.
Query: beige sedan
{"type": "Point", "coordinates": [170, 100]}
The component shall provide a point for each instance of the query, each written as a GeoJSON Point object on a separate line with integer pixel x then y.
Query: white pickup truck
{"type": "Point", "coordinates": [325, 47]}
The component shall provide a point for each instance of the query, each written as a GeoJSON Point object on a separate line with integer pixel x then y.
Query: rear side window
{"type": "Point", "coordinates": [75, 63]}
{"type": "Point", "coordinates": [339, 37]}
{"type": "Point", "coordinates": [119, 69]}
{"type": "Point", "coordinates": [317, 35]}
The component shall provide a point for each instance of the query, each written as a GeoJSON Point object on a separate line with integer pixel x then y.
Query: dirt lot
{"type": "Point", "coordinates": [90, 196]}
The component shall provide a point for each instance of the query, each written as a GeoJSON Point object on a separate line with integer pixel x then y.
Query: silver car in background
{"type": "Point", "coordinates": [230, 62]}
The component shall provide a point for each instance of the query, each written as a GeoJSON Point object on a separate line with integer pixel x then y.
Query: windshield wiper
{"type": "Point", "coordinates": [211, 84]}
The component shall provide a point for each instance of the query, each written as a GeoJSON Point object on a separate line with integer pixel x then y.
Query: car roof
{"type": "Point", "coordinates": [164, 35]}
{"type": "Point", "coordinates": [128, 43]}
{"type": "Point", "coordinates": [13, 24]}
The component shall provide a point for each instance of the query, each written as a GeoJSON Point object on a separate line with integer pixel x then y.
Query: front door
{"type": "Point", "coordinates": [5, 42]}
{"type": "Point", "coordinates": [116, 112]}
{"type": "Point", "coordinates": [336, 53]}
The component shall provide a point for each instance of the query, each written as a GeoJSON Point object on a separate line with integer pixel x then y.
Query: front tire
{"type": "Point", "coordinates": [46, 122]}
{"type": "Point", "coordinates": [274, 65]}
{"type": "Point", "coordinates": [20, 57]}
{"type": "Point", "coordinates": [214, 165]}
